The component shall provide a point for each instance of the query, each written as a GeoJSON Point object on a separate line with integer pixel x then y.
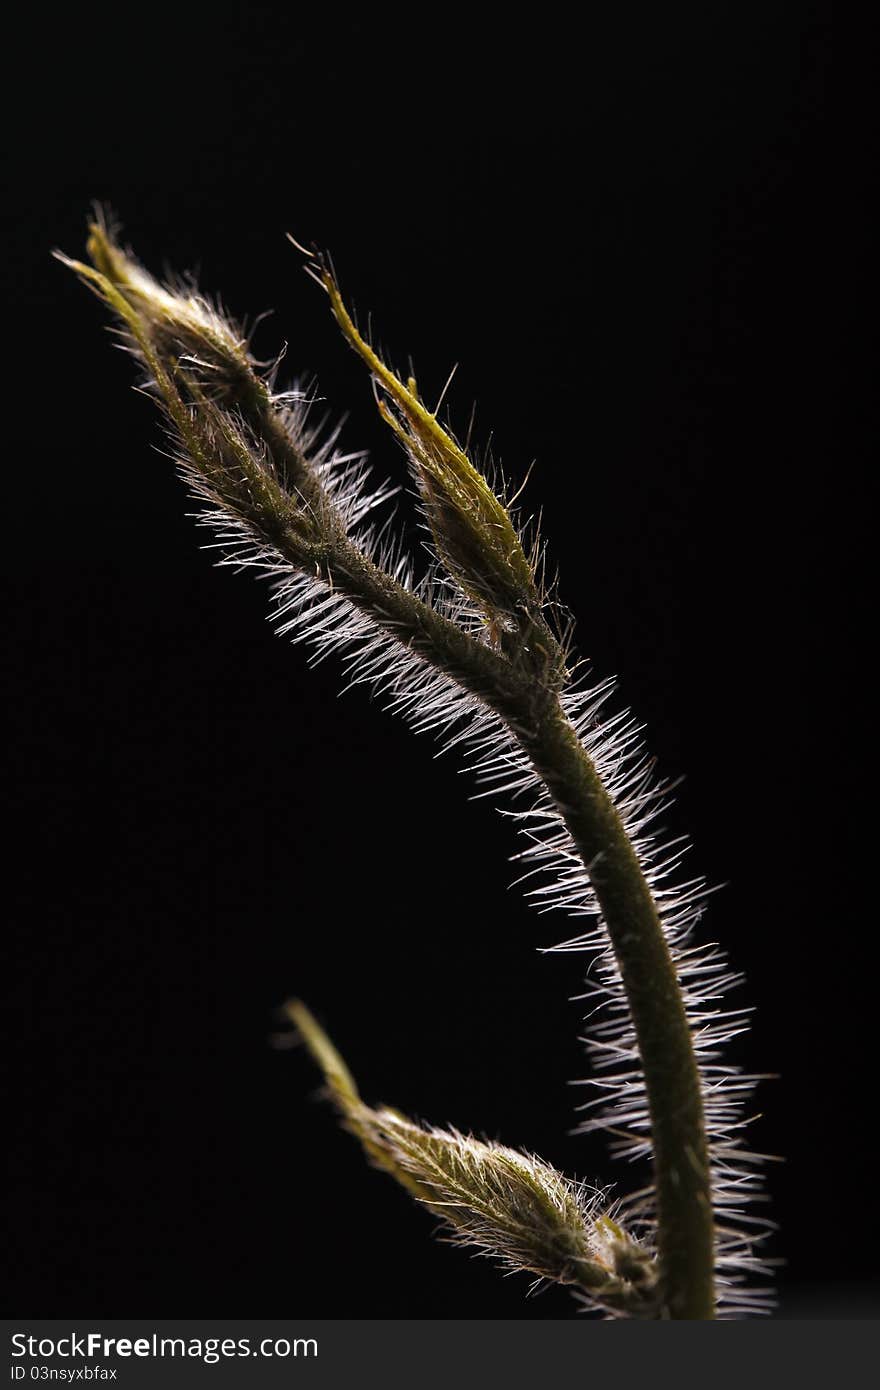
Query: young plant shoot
{"type": "Point", "coordinates": [477, 651]}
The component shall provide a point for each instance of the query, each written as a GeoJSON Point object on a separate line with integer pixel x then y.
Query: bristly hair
{"type": "Point", "coordinates": [308, 608]}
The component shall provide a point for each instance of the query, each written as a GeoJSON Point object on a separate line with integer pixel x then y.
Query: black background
{"type": "Point", "coordinates": [619, 232]}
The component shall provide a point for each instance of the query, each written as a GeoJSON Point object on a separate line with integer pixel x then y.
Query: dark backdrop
{"type": "Point", "coordinates": [618, 233]}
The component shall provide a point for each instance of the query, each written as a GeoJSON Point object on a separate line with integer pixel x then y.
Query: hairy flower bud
{"type": "Point", "coordinates": [181, 323]}
{"type": "Point", "coordinates": [472, 528]}
{"type": "Point", "coordinates": [225, 463]}
{"type": "Point", "coordinates": [507, 1204]}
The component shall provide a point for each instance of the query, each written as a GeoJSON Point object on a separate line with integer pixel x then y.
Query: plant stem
{"type": "Point", "coordinates": [685, 1231]}
{"type": "Point", "coordinates": [681, 1164]}
{"type": "Point", "coordinates": [517, 675]}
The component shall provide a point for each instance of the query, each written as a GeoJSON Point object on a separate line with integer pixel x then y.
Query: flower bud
{"type": "Point", "coordinates": [505, 1203]}
{"type": "Point", "coordinates": [472, 528]}
{"type": "Point", "coordinates": [182, 324]}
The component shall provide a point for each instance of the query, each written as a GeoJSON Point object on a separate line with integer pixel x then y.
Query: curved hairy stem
{"type": "Point", "coordinates": [685, 1227]}
{"type": "Point", "coordinates": [244, 457]}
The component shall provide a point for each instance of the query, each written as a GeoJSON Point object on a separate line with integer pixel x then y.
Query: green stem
{"type": "Point", "coordinates": [684, 1211]}
{"type": "Point", "coordinates": [685, 1229]}
{"type": "Point", "coordinates": [521, 696]}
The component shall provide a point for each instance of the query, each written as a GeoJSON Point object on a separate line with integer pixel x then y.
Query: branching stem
{"type": "Point", "coordinates": [685, 1228]}
{"type": "Point", "coordinates": [287, 507]}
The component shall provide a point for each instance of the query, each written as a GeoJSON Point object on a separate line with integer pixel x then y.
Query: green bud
{"type": "Point", "coordinates": [505, 1203]}
{"type": "Point", "coordinates": [181, 323]}
{"type": "Point", "coordinates": [472, 528]}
